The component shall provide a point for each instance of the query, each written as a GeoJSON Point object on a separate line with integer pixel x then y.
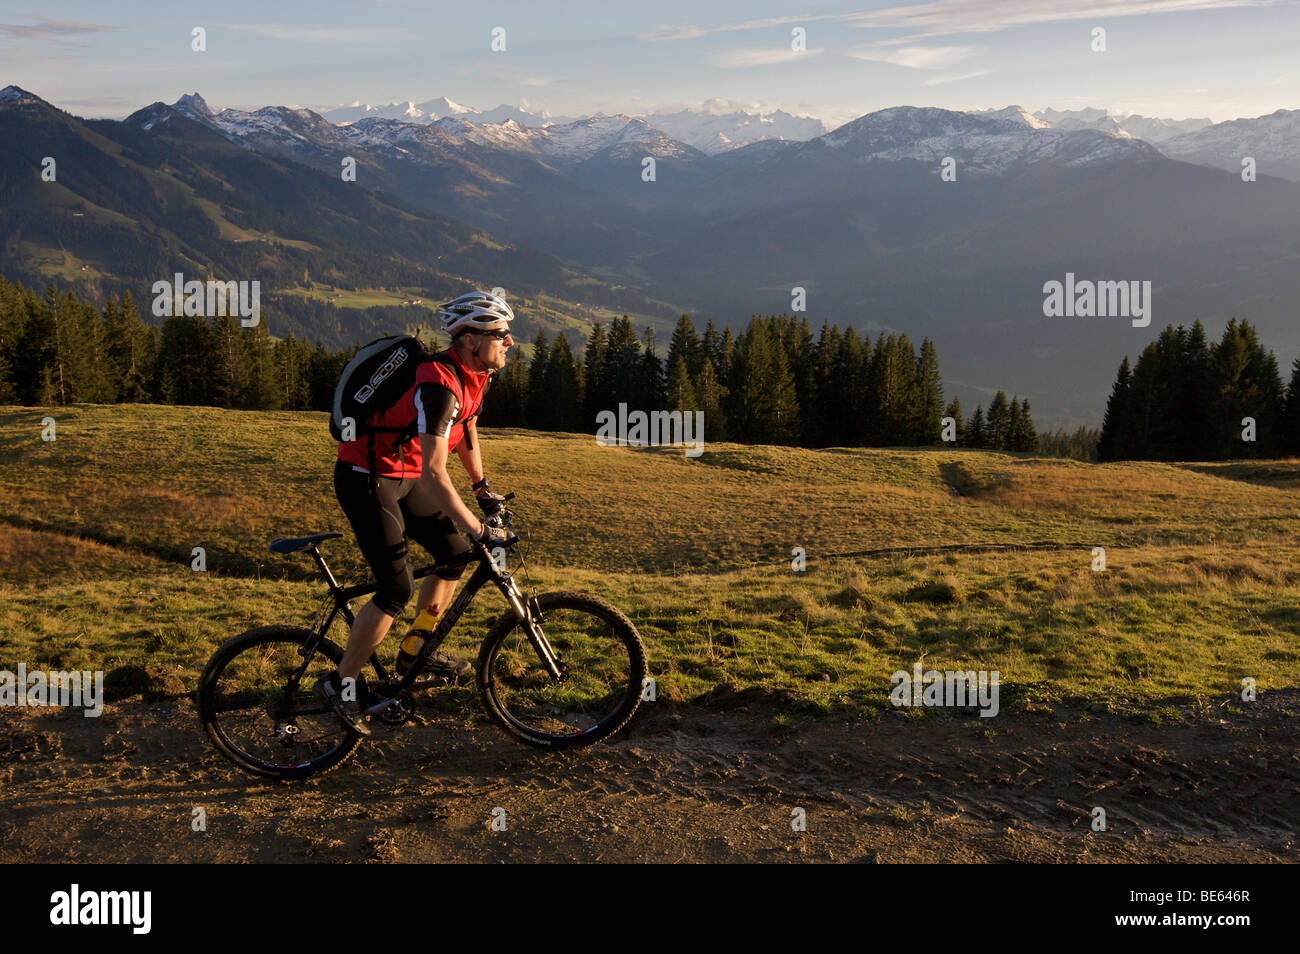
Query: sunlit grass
{"type": "Point", "coordinates": [1201, 590]}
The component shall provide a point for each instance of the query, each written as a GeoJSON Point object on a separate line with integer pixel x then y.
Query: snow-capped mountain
{"type": "Point", "coordinates": [432, 110]}
{"type": "Point", "coordinates": [985, 144]}
{"type": "Point", "coordinates": [1127, 125]}
{"type": "Point", "coordinates": [1273, 141]}
{"type": "Point", "coordinates": [1015, 114]}
{"type": "Point", "coordinates": [283, 129]}
{"type": "Point", "coordinates": [715, 133]}
{"type": "Point", "coordinates": [17, 96]}
{"type": "Point", "coordinates": [709, 131]}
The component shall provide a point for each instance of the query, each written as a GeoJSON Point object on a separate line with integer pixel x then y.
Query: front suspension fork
{"type": "Point", "coordinates": [530, 614]}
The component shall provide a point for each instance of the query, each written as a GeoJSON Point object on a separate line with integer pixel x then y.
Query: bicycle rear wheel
{"type": "Point", "coordinates": [603, 661]}
{"type": "Point", "coordinates": [256, 703]}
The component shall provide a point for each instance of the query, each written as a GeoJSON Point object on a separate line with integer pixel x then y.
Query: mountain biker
{"type": "Point", "coordinates": [413, 496]}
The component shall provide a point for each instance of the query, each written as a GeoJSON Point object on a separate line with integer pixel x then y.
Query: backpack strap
{"type": "Point", "coordinates": [447, 360]}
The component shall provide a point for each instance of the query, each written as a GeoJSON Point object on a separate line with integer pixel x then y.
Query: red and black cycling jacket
{"type": "Point", "coordinates": [439, 402]}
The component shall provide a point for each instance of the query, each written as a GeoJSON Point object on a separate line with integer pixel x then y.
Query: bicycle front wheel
{"type": "Point", "coordinates": [256, 703]}
{"type": "Point", "coordinates": [604, 668]}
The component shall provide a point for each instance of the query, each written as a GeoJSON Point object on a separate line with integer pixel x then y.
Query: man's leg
{"type": "Point", "coordinates": [379, 525]}
{"type": "Point", "coordinates": [437, 534]}
{"type": "Point", "coordinates": [436, 593]}
{"type": "Point", "coordinates": [371, 626]}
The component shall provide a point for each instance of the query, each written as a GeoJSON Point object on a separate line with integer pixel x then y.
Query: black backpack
{"type": "Point", "coordinates": [377, 377]}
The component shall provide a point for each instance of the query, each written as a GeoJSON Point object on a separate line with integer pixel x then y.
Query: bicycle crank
{"type": "Point", "coordinates": [397, 710]}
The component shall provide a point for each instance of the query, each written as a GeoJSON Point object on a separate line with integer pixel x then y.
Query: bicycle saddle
{"type": "Point", "coordinates": [294, 544]}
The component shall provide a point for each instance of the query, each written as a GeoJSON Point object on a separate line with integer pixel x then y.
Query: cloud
{"type": "Point", "coordinates": [305, 34]}
{"type": "Point", "coordinates": [46, 28]}
{"type": "Point", "coordinates": [945, 17]}
{"type": "Point", "coordinates": [762, 56]}
{"type": "Point", "coordinates": [664, 33]}
{"type": "Point", "coordinates": [916, 57]}
{"type": "Point", "coordinates": [940, 80]}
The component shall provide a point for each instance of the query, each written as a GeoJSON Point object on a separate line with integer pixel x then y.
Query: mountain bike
{"type": "Point", "coordinates": [559, 669]}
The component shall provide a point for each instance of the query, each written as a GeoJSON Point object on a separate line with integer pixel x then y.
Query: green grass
{"type": "Point", "coordinates": [1202, 586]}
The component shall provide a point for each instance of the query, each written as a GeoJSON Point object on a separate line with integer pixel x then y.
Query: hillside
{"type": "Point", "coordinates": [1118, 689]}
{"type": "Point", "coordinates": [962, 555]}
{"type": "Point", "coordinates": [134, 202]}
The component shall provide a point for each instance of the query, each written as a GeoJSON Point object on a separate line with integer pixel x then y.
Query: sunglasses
{"type": "Point", "coordinates": [499, 335]}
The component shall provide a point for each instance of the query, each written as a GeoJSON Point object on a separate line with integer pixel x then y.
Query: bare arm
{"type": "Point", "coordinates": [435, 478]}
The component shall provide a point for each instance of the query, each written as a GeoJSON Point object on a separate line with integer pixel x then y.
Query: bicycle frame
{"type": "Point", "coordinates": [524, 607]}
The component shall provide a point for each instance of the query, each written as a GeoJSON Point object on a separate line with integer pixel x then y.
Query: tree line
{"type": "Point", "coordinates": [773, 383]}
{"type": "Point", "coordinates": [56, 349]}
{"type": "Point", "coordinates": [1189, 399]}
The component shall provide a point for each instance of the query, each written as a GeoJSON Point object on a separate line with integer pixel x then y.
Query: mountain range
{"type": "Point", "coordinates": [862, 217]}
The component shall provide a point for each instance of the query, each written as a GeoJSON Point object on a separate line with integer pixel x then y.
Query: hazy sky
{"type": "Point", "coordinates": [1173, 58]}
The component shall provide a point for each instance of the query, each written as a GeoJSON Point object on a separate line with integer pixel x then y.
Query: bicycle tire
{"type": "Point", "coordinates": [530, 689]}
{"type": "Point", "coordinates": [217, 698]}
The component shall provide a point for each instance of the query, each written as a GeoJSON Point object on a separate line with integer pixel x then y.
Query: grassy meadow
{"type": "Point", "coordinates": [959, 559]}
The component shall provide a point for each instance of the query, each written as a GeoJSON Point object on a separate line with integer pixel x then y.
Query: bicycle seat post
{"type": "Point", "coordinates": [324, 569]}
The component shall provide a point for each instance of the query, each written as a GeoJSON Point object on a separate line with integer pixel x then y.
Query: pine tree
{"type": "Point", "coordinates": [1115, 442]}
{"type": "Point", "coordinates": [1023, 436]}
{"type": "Point", "coordinates": [854, 414]}
{"type": "Point", "coordinates": [128, 357]}
{"type": "Point", "coordinates": [1290, 426]}
{"type": "Point", "coordinates": [183, 348]}
{"type": "Point", "coordinates": [1015, 427]}
{"type": "Point", "coordinates": [926, 423]}
{"type": "Point", "coordinates": [893, 387]}
{"type": "Point", "coordinates": [764, 409]}
{"type": "Point", "coordinates": [959, 424]}
{"type": "Point", "coordinates": [596, 394]}
{"type": "Point", "coordinates": [507, 404]}
{"type": "Point", "coordinates": [651, 384]}
{"type": "Point", "coordinates": [540, 412]}
{"type": "Point", "coordinates": [1196, 398]}
{"type": "Point", "coordinates": [259, 360]}
{"type": "Point", "coordinates": [1250, 385]}
{"type": "Point", "coordinates": [563, 386]}
{"type": "Point", "coordinates": [681, 392]}
{"type": "Point", "coordinates": [291, 368]}
{"type": "Point", "coordinates": [710, 398]}
{"type": "Point", "coordinates": [228, 370]}
{"type": "Point", "coordinates": [726, 354]}
{"type": "Point", "coordinates": [8, 392]}
{"type": "Point", "coordinates": [685, 345]}
{"type": "Point", "coordinates": [977, 429]}
{"type": "Point", "coordinates": [710, 348]}
{"type": "Point", "coordinates": [17, 376]}
{"type": "Point", "coordinates": [622, 366]}
{"type": "Point", "coordinates": [999, 422]}
{"type": "Point", "coordinates": [826, 422]}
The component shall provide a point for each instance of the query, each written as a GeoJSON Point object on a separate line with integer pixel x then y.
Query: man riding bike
{"type": "Point", "coordinates": [411, 494]}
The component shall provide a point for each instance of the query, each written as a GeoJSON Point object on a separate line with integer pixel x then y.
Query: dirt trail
{"type": "Point", "coordinates": [685, 783]}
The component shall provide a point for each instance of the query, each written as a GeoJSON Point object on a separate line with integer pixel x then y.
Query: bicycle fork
{"type": "Point", "coordinates": [530, 613]}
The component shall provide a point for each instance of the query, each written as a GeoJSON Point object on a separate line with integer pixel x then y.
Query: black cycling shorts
{"type": "Point", "coordinates": [404, 508]}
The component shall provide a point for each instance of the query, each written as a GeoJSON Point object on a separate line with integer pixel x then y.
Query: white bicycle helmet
{"type": "Point", "coordinates": [474, 311]}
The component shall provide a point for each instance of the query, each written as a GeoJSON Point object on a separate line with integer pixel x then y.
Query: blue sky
{"type": "Point", "coordinates": [1173, 58]}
